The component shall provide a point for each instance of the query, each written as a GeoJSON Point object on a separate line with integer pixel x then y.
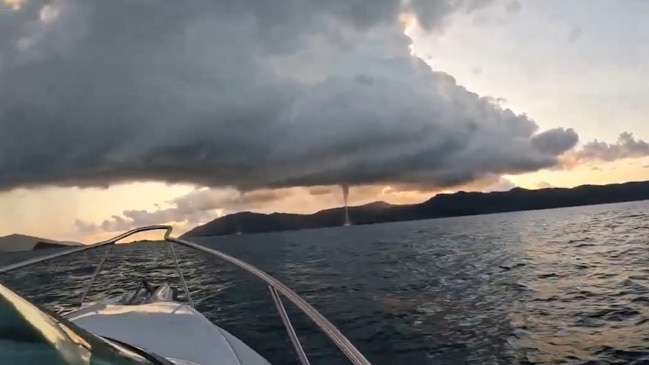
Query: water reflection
{"type": "Point", "coordinates": [556, 286]}
{"type": "Point", "coordinates": [588, 288]}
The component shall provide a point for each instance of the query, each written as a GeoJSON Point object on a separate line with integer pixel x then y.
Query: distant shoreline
{"type": "Point", "coordinates": [22, 243]}
{"type": "Point", "coordinates": [440, 206]}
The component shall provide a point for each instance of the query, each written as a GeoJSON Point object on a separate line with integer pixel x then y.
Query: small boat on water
{"type": "Point", "coordinates": [148, 326]}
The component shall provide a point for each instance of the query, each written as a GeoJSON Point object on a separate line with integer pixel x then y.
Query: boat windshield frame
{"type": "Point", "coordinates": [33, 333]}
{"type": "Point", "coordinates": [276, 288]}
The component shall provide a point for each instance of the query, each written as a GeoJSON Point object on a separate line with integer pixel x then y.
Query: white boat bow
{"type": "Point", "coordinates": [170, 329]}
{"type": "Point", "coordinates": [148, 326]}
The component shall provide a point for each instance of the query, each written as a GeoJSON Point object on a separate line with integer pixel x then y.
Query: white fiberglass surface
{"type": "Point", "coordinates": [170, 329]}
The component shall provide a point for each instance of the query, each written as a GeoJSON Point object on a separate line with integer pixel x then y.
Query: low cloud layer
{"type": "Point", "coordinates": [626, 147]}
{"type": "Point", "coordinates": [202, 205]}
{"type": "Point", "coordinates": [249, 95]}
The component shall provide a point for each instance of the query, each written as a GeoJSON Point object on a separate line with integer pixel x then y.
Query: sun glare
{"type": "Point", "coordinates": [408, 21]}
{"type": "Point", "coordinates": [12, 4]}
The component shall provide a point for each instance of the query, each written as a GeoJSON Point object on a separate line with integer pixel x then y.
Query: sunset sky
{"type": "Point", "coordinates": [118, 113]}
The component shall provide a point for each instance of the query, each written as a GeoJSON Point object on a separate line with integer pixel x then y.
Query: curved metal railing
{"type": "Point", "coordinates": [275, 286]}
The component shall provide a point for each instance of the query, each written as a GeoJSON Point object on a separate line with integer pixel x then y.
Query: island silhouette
{"type": "Point", "coordinates": [440, 206]}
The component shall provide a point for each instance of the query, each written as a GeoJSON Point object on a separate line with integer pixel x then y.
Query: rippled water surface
{"type": "Point", "coordinates": [556, 286]}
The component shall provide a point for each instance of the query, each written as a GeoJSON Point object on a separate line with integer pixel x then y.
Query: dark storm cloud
{"type": "Point", "coordinates": [248, 94]}
{"type": "Point", "coordinates": [555, 141]}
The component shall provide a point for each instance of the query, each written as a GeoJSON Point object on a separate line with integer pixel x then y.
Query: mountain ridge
{"type": "Point", "coordinates": [461, 203]}
{"type": "Point", "coordinates": [21, 242]}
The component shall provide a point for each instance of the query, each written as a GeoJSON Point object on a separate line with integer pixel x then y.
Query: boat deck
{"type": "Point", "coordinates": [173, 330]}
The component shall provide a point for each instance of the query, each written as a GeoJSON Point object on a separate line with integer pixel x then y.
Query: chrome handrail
{"type": "Point", "coordinates": [95, 274]}
{"type": "Point", "coordinates": [180, 273]}
{"type": "Point", "coordinates": [111, 241]}
{"type": "Point", "coordinates": [275, 286]}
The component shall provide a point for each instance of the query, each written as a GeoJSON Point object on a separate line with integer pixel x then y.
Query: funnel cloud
{"type": "Point", "coordinates": [345, 189]}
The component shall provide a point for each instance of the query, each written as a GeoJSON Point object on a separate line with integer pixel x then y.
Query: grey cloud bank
{"type": "Point", "coordinates": [626, 147]}
{"type": "Point", "coordinates": [248, 95]}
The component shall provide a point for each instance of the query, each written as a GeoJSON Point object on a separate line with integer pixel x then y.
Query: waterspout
{"type": "Point", "coordinates": [345, 199]}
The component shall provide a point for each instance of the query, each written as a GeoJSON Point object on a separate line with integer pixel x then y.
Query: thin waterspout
{"type": "Point", "coordinates": [345, 200]}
